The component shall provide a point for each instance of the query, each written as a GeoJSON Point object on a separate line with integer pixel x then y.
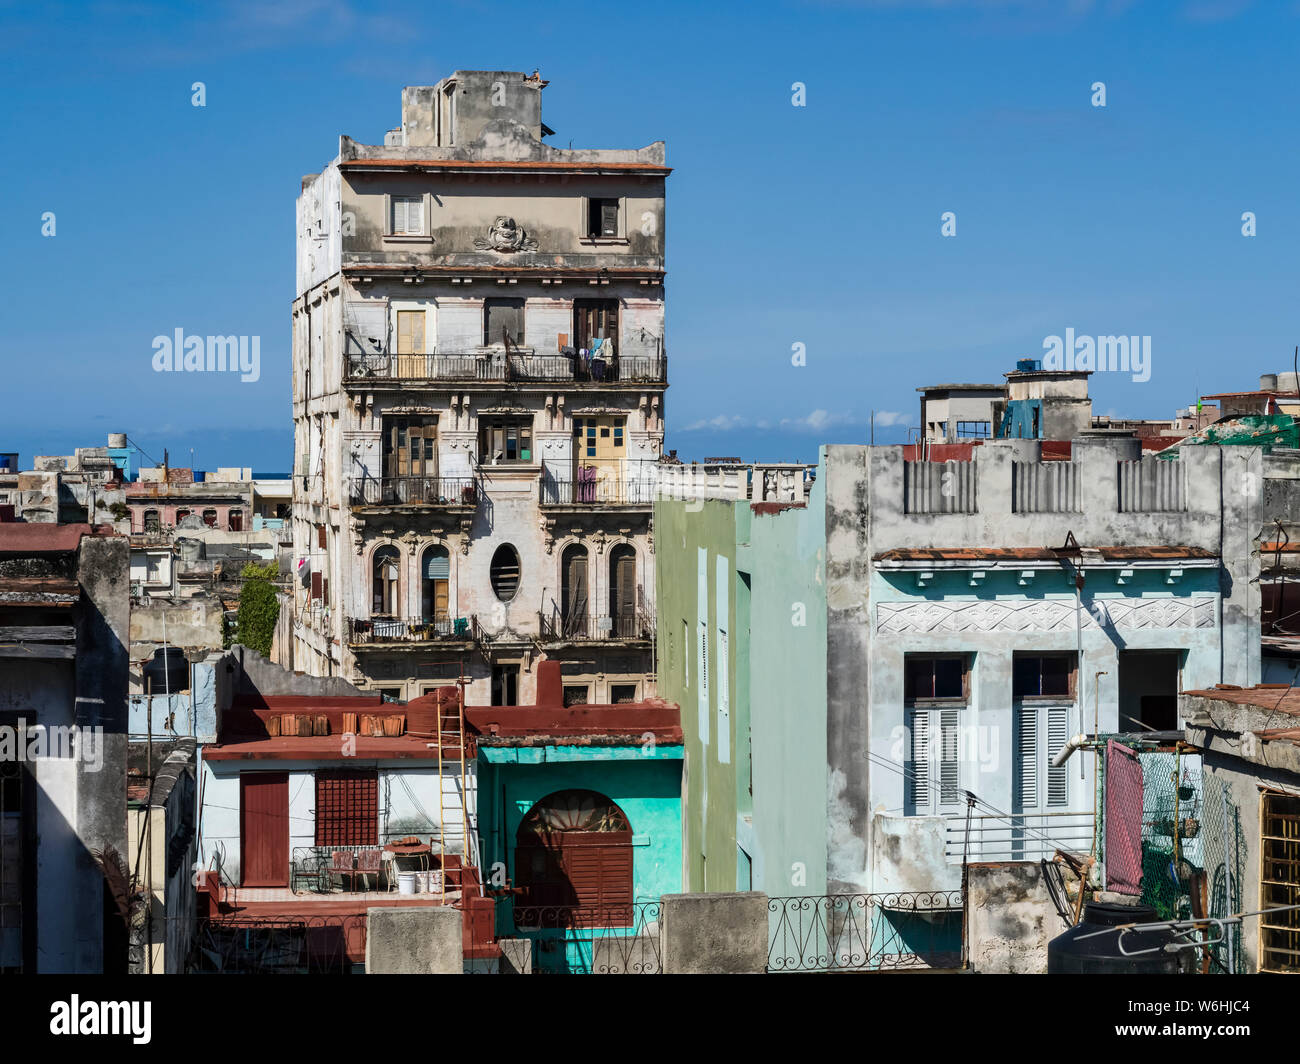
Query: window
{"type": "Point", "coordinates": [154, 568]}
{"type": "Point", "coordinates": [235, 520]}
{"type": "Point", "coordinates": [410, 450]}
{"type": "Point", "coordinates": [503, 321]}
{"type": "Point", "coordinates": [347, 808]}
{"type": "Point", "coordinates": [317, 586]}
{"type": "Point", "coordinates": [151, 521]}
{"type": "Point", "coordinates": [934, 767]}
{"type": "Point", "coordinates": [978, 430]}
{"type": "Point", "coordinates": [505, 685]}
{"type": "Point", "coordinates": [577, 694]}
{"type": "Point", "coordinates": [410, 333]}
{"type": "Point", "coordinates": [573, 591]}
{"type": "Point", "coordinates": [505, 575]}
{"type": "Point", "coordinates": [384, 581]}
{"type": "Point", "coordinates": [594, 318]}
{"type": "Point", "coordinates": [1041, 731]}
{"type": "Point", "coordinates": [17, 867]}
{"type": "Point", "coordinates": [1043, 676]}
{"type": "Point", "coordinates": [622, 591]}
{"type": "Point", "coordinates": [928, 678]}
{"type": "Point", "coordinates": [408, 216]}
{"type": "Point", "coordinates": [435, 583]}
{"type": "Point", "coordinates": [1279, 854]}
{"type": "Point", "coordinates": [602, 218]}
{"type": "Point", "coordinates": [181, 515]}
{"type": "Point", "coordinates": [505, 439]}
{"type": "Point", "coordinates": [573, 863]}
{"type": "Point", "coordinates": [320, 536]}
{"type": "Point", "coordinates": [622, 693]}
{"type": "Point", "coordinates": [599, 440]}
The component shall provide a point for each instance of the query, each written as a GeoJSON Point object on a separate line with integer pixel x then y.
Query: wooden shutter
{"type": "Point", "coordinates": [503, 317]}
{"type": "Point", "coordinates": [573, 594]}
{"type": "Point", "coordinates": [1058, 734]}
{"type": "Point", "coordinates": [609, 218]}
{"type": "Point", "coordinates": [1027, 749]}
{"type": "Point", "coordinates": [622, 584]}
{"type": "Point", "coordinates": [264, 829]}
{"type": "Point", "coordinates": [317, 585]}
{"type": "Point", "coordinates": [598, 866]}
{"type": "Point", "coordinates": [410, 332]}
{"type": "Point", "coordinates": [919, 780]}
{"type": "Point", "coordinates": [347, 808]}
{"type": "Point", "coordinates": [949, 765]}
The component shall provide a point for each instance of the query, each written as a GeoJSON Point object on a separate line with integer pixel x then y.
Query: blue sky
{"type": "Point", "coordinates": [817, 225]}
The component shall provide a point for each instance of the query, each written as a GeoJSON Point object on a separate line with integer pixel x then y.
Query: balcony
{"type": "Point", "coordinates": [596, 493]}
{"type": "Point", "coordinates": [453, 493]}
{"type": "Point", "coordinates": [498, 366]}
{"type": "Point", "coordinates": [438, 629]}
{"type": "Point", "coordinates": [631, 626]}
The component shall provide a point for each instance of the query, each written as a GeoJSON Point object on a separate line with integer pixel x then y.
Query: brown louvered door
{"type": "Point", "coordinates": [347, 808]}
{"type": "Point", "coordinates": [598, 867]}
{"type": "Point", "coordinates": [264, 829]}
{"type": "Point", "coordinates": [594, 318]}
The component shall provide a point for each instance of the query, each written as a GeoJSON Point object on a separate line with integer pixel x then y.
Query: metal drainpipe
{"type": "Point", "coordinates": [1078, 648]}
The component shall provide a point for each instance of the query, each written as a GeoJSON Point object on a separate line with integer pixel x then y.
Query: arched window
{"type": "Point", "coordinates": [384, 582]}
{"type": "Point", "coordinates": [210, 518]}
{"type": "Point", "coordinates": [622, 592]}
{"type": "Point", "coordinates": [573, 863]}
{"type": "Point", "coordinates": [573, 592]}
{"type": "Point", "coordinates": [181, 515]}
{"type": "Point", "coordinates": [151, 521]}
{"type": "Point", "coordinates": [435, 581]}
{"type": "Point", "coordinates": [505, 572]}
{"type": "Point", "coordinates": [236, 520]}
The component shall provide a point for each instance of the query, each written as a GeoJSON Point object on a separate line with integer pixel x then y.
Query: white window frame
{"type": "Point", "coordinates": [587, 238]}
{"type": "Point", "coordinates": [1041, 729]}
{"type": "Point", "coordinates": [391, 231]}
{"type": "Point", "coordinates": [933, 781]}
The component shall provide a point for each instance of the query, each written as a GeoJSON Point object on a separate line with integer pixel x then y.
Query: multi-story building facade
{"type": "Point", "coordinates": [478, 383]}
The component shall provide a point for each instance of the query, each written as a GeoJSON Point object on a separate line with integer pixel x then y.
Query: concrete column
{"type": "Point", "coordinates": [415, 940]}
{"type": "Point", "coordinates": [707, 934]}
{"type": "Point", "coordinates": [1097, 459]}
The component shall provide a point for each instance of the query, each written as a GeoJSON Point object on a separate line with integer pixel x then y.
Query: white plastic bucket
{"type": "Point", "coordinates": [433, 881]}
{"type": "Point", "coordinates": [406, 883]}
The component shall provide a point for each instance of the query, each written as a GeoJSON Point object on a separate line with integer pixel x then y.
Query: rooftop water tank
{"type": "Point", "coordinates": [1092, 947]}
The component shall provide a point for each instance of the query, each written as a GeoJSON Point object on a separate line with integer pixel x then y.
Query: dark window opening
{"type": "Point", "coordinates": [151, 521]}
{"type": "Point", "coordinates": [384, 578]}
{"type": "Point", "coordinates": [592, 319]}
{"type": "Point", "coordinates": [504, 572]}
{"type": "Point", "coordinates": [505, 439]}
{"type": "Point", "coordinates": [926, 677]}
{"type": "Point", "coordinates": [505, 685]}
{"type": "Point", "coordinates": [503, 321]}
{"type": "Point", "coordinates": [602, 217]}
{"type": "Point", "coordinates": [1148, 690]}
{"type": "Point", "coordinates": [576, 694]}
{"type": "Point", "coordinates": [1043, 676]}
{"type": "Point", "coordinates": [410, 449]}
{"type": "Point", "coordinates": [210, 518]}
{"type": "Point", "coordinates": [622, 693]}
{"type": "Point", "coordinates": [235, 520]}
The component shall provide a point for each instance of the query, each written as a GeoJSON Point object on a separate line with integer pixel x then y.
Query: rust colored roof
{"type": "Point", "coordinates": [1040, 554]}
{"type": "Point", "coordinates": [489, 164]}
{"type": "Point", "coordinates": [576, 725]}
{"type": "Point", "coordinates": [324, 748]}
{"type": "Point", "coordinates": [1253, 395]}
{"type": "Point", "coordinates": [22, 537]}
{"type": "Point", "coordinates": [1274, 697]}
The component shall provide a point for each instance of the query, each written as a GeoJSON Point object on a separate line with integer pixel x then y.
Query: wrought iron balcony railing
{"type": "Point", "coordinates": [414, 491]}
{"type": "Point", "coordinates": [625, 626]}
{"type": "Point", "coordinates": [502, 366]}
{"type": "Point", "coordinates": [416, 630]}
{"type": "Point", "coordinates": [608, 491]}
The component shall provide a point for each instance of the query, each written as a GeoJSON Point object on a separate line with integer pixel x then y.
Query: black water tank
{"type": "Point", "coordinates": [1082, 950]}
{"type": "Point", "coordinates": [168, 670]}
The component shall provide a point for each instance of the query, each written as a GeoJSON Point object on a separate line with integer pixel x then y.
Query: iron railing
{"type": "Point", "coordinates": [865, 932]}
{"type": "Point", "coordinates": [609, 491]}
{"type": "Point", "coordinates": [415, 630]}
{"type": "Point", "coordinates": [414, 491]}
{"type": "Point", "coordinates": [612, 939]}
{"type": "Point", "coordinates": [1017, 836]}
{"type": "Point", "coordinates": [500, 366]}
{"type": "Point", "coordinates": [625, 626]}
{"type": "Point", "coordinates": [278, 945]}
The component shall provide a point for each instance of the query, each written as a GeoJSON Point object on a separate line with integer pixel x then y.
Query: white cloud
{"type": "Point", "coordinates": [720, 423]}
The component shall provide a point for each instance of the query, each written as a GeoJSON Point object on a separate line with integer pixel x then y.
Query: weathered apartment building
{"type": "Point", "coordinates": [968, 618]}
{"type": "Point", "coordinates": [478, 387]}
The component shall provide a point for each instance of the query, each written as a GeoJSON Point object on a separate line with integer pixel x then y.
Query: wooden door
{"type": "Point", "coordinates": [410, 344]}
{"type": "Point", "coordinates": [264, 829]}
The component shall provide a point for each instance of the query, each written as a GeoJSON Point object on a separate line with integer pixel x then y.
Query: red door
{"type": "Point", "coordinates": [264, 828]}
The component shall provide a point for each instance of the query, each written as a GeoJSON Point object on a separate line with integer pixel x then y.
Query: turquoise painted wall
{"type": "Point", "coordinates": [645, 782]}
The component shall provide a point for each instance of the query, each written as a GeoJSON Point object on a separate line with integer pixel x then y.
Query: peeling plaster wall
{"type": "Point", "coordinates": [1011, 919]}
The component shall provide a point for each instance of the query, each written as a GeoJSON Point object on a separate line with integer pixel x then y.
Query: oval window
{"type": "Point", "coordinates": [505, 572]}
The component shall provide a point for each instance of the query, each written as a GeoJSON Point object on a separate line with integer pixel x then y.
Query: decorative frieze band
{"type": "Point", "coordinates": [1044, 615]}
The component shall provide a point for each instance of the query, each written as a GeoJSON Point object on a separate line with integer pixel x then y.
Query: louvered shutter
{"type": "Point", "coordinates": [920, 774]}
{"type": "Point", "coordinates": [437, 564]}
{"type": "Point", "coordinates": [609, 218]}
{"type": "Point", "coordinates": [949, 766]}
{"type": "Point", "coordinates": [1058, 725]}
{"type": "Point", "coordinates": [1027, 747]}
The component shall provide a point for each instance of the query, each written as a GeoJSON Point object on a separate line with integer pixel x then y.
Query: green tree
{"type": "Point", "coordinates": [259, 607]}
